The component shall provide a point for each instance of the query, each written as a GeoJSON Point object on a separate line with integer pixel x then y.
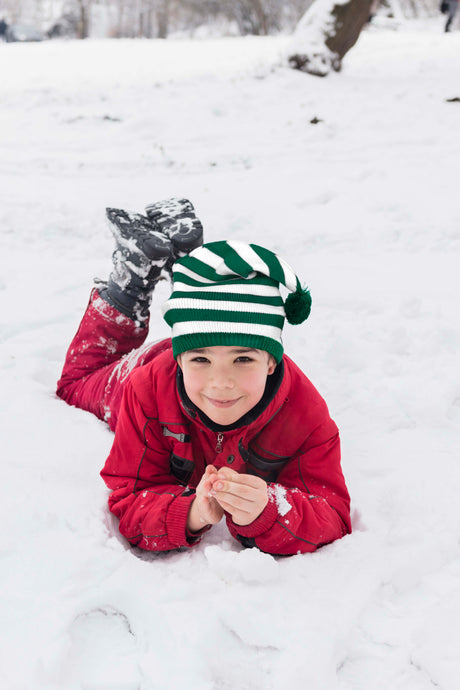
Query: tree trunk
{"type": "Point", "coordinates": [163, 19]}
{"type": "Point", "coordinates": [326, 33]}
{"type": "Point", "coordinates": [262, 17]}
{"type": "Point", "coordinates": [83, 19]}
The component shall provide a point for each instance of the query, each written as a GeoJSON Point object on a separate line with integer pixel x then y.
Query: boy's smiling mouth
{"type": "Point", "coordinates": [222, 403]}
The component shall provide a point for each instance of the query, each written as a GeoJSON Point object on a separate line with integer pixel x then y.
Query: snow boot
{"type": "Point", "coordinates": [176, 218]}
{"type": "Point", "coordinates": [141, 253]}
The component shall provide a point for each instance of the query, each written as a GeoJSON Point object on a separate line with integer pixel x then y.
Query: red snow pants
{"type": "Point", "coordinates": [105, 349]}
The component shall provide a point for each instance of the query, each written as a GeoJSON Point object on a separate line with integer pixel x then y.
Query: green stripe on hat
{"type": "Point", "coordinates": [232, 259]}
{"type": "Point", "coordinates": [174, 315]}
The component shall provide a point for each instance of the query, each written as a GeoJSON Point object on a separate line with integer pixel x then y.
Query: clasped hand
{"type": "Point", "coordinates": [244, 496]}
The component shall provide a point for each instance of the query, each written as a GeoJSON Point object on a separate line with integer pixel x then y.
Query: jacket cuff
{"type": "Point", "coordinates": [260, 525]}
{"type": "Point", "coordinates": [176, 521]}
{"type": "Point", "coordinates": [195, 537]}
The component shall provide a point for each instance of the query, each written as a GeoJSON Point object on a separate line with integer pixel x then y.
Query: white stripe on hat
{"type": "Point", "coordinates": [209, 258]}
{"type": "Point", "coordinates": [192, 304]}
{"type": "Point", "coordinates": [249, 289]}
{"type": "Point", "coordinates": [290, 278]}
{"type": "Point", "coordinates": [194, 327]}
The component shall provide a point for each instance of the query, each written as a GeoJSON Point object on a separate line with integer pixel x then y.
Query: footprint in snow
{"type": "Point", "coordinates": [102, 653]}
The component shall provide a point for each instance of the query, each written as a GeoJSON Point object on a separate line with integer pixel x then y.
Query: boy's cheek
{"type": "Point", "coordinates": [191, 385]}
{"type": "Point", "coordinates": [192, 379]}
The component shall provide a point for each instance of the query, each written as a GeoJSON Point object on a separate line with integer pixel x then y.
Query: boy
{"type": "Point", "coordinates": [215, 421]}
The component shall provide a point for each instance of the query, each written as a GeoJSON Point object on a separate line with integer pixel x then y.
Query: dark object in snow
{"type": "Point", "coordinates": [317, 64]}
{"type": "Point", "coordinates": [456, 99]}
{"type": "Point", "coordinates": [444, 6]}
{"type": "Point", "coordinates": [104, 118]}
{"type": "Point", "coordinates": [141, 253]}
{"type": "Point", "coordinates": [177, 219]}
{"type": "Point", "coordinates": [315, 120]}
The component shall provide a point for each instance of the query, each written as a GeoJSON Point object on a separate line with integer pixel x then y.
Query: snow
{"type": "Point", "coordinates": [315, 25]}
{"type": "Point", "coordinates": [277, 493]}
{"type": "Point", "coordinates": [364, 205]}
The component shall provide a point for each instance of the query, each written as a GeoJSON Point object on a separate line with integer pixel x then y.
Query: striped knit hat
{"type": "Point", "coordinates": [227, 293]}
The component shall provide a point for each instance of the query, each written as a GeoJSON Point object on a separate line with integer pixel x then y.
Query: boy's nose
{"type": "Point", "coordinates": [221, 378]}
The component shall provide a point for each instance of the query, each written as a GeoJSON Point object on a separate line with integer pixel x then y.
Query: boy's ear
{"type": "Point", "coordinates": [271, 365]}
{"type": "Point", "coordinates": [178, 360]}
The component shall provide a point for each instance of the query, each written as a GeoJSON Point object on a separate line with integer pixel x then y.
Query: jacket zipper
{"type": "Point", "coordinates": [220, 440]}
{"type": "Point", "coordinates": [220, 436]}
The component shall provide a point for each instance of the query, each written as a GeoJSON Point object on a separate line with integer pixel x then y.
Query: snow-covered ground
{"type": "Point", "coordinates": [354, 180]}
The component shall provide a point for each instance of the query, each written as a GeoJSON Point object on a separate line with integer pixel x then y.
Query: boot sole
{"type": "Point", "coordinates": [176, 218]}
{"type": "Point", "coordinates": [135, 229]}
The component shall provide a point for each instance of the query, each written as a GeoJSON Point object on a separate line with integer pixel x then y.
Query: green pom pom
{"type": "Point", "coordinates": [297, 306]}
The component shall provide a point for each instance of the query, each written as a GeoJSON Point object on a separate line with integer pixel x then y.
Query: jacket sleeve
{"type": "Point", "coordinates": [308, 506]}
{"type": "Point", "coordinates": [151, 505]}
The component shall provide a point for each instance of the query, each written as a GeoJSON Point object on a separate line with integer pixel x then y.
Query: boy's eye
{"type": "Point", "coordinates": [199, 359]}
{"type": "Point", "coordinates": [244, 358]}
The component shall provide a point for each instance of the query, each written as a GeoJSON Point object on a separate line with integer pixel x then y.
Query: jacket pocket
{"type": "Point", "coordinates": [266, 468]}
{"type": "Point", "coordinates": [181, 468]}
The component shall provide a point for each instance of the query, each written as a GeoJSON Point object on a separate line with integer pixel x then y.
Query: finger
{"type": "Point", "coordinates": [210, 470]}
{"type": "Point", "coordinates": [248, 493]}
{"type": "Point", "coordinates": [234, 504]}
{"type": "Point", "coordinates": [213, 478]}
{"type": "Point", "coordinates": [237, 478]}
{"type": "Point", "coordinates": [227, 473]}
{"type": "Point", "coordinates": [206, 486]}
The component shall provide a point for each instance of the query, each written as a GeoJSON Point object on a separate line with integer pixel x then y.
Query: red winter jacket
{"type": "Point", "coordinates": [162, 446]}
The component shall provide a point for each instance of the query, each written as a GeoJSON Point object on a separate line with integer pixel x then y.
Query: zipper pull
{"type": "Point", "coordinates": [220, 440]}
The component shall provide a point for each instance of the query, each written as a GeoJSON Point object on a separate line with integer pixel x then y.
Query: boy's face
{"type": "Point", "coordinates": [225, 382]}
